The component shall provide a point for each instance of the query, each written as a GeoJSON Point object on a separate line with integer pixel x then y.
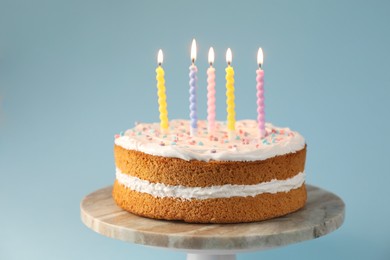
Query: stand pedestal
{"type": "Point", "coordinates": [323, 213]}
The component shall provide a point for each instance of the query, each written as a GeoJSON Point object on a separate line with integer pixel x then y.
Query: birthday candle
{"type": "Point", "coordinates": [211, 93]}
{"type": "Point", "coordinates": [193, 87]}
{"type": "Point", "coordinates": [260, 94]}
{"type": "Point", "coordinates": [161, 93]}
{"type": "Point", "coordinates": [231, 114]}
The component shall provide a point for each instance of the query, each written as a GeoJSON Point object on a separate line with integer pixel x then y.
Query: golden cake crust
{"type": "Point", "coordinates": [221, 210]}
{"type": "Point", "coordinates": [194, 173]}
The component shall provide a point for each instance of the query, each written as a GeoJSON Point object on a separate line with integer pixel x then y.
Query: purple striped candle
{"type": "Point", "coordinates": [193, 87]}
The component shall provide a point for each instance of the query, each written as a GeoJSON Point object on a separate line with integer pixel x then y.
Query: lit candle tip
{"type": "Point", "coordinates": [193, 51]}
{"type": "Point", "coordinates": [160, 57]}
{"type": "Point", "coordinates": [211, 56]}
{"type": "Point", "coordinates": [260, 57]}
{"type": "Point", "coordinates": [229, 56]}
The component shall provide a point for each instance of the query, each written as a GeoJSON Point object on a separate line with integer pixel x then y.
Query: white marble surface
{"type": "Point", "coordinates": [323, 213]}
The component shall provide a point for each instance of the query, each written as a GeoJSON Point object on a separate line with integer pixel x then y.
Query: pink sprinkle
{"type": "Point", "coordinates": [116, 136]}
{"type": "Point", "coordinates": [245, 141]}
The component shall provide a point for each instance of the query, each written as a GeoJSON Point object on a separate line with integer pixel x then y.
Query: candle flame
{"type": "Point", "coordinates": [229, 56]}
{"type": "Point", "coordinates": [160, 57]}
{"type": "Point", "coordinates": [211, 55]}
{"type": "Point", "coordinates": [260, 57]}
{"type": "Point", "coordinates": [193, 50]}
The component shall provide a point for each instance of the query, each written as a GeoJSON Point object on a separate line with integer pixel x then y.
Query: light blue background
{"type": "Point", "coordinates": [74, 73]}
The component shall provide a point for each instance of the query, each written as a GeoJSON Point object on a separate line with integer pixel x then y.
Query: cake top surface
{"type": "Point", "coordinates": [244, 145]}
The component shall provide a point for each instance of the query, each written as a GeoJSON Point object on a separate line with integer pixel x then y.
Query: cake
{"type": "Point", "coordinates": [209, 178]}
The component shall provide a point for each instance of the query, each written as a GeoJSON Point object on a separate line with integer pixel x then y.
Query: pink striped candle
{"type": "Point", "coordinates": [260, 94]}
{"type": "Point", "coordinates": [211, 93]}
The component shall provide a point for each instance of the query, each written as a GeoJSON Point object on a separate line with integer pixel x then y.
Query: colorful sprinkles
{"type": "Point", "coordinates": [216, 141]}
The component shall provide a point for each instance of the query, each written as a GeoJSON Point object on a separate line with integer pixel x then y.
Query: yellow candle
{"type": "Point", "coordinates": [231, 113]}
{"type": "Point", "coordinates": [161, 94]}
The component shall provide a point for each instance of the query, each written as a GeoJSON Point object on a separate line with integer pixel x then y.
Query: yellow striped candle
{"type": "Point", "coordinates": [231, 113]}
{"type": "Point", "coordinates": [161, 94]}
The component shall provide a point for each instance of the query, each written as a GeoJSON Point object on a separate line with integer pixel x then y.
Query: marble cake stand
{"type": "Point", "coordinates": [323, 213]}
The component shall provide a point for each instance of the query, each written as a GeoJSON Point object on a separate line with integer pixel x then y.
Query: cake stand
{"type": "Point", "coordinates": [323, 213]}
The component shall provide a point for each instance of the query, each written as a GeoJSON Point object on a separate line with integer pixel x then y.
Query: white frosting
{"type": "Point", "coordinates": [224, 191]}
{"type": "Point", "coordinates": [245, 145]}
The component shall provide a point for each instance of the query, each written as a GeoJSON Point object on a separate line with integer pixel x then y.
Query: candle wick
{"type": "Point", "coordinates": [193, 61]}
{"type": "Point", "coordinates": [211, 64]}
{"type": "Point", "coordinates": [229, 63]}
{"type": "Point", "coordinates": [260, 65]}
{"type": "Point", "coordinates": [159, 64]}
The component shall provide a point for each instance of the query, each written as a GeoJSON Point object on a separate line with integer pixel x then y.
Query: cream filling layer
{"type": "Point", "coordinates": [223, 191]}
